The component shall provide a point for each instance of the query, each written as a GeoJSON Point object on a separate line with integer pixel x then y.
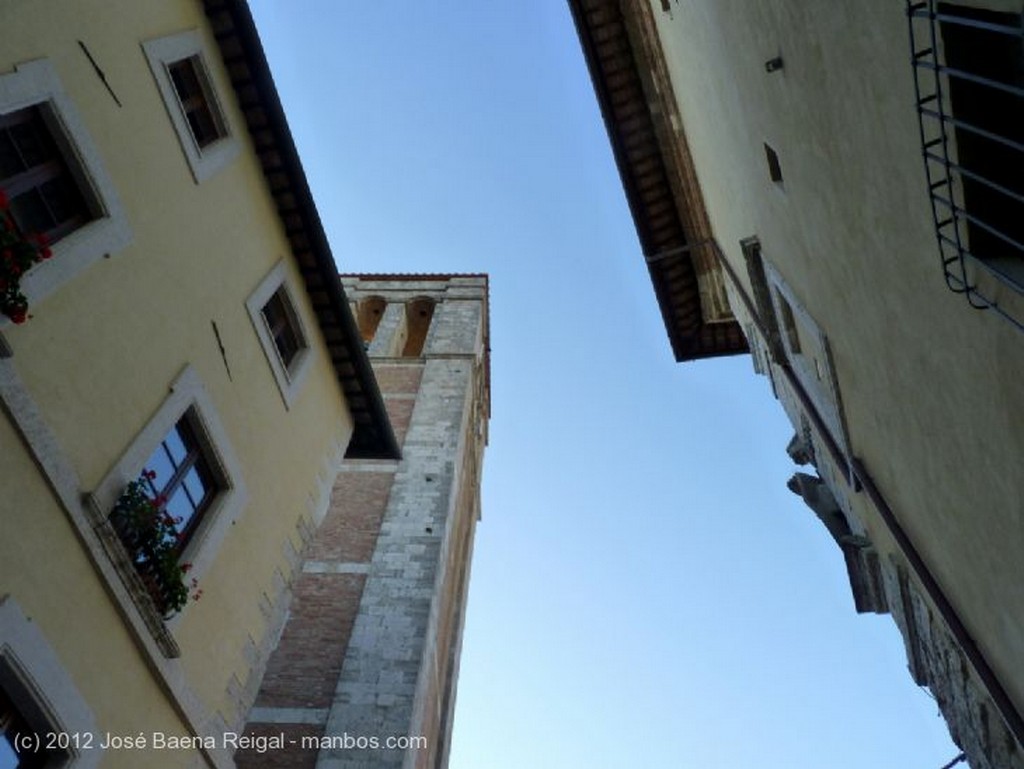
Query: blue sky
{"type": "Point", "coordinates": [646, 592]}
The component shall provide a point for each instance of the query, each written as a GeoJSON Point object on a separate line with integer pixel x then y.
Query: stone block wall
{"type": "Point", "coordinates": [934, 658]}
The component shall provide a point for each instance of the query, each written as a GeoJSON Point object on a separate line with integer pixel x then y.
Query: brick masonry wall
{"type": "Point", "coordinates": [349, 532]}
{"type": "Point", "coordinates": [297, 755]}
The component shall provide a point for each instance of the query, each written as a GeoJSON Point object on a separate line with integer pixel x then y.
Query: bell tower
{"type": "Point", "coordinates": [365, 672]}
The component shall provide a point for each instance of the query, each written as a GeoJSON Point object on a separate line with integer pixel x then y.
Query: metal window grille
{"type": "Point", "coordinates": [969, 90]}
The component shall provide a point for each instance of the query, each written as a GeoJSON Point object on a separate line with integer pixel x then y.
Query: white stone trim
{"type": "Point", "coordinates": [161, 53]}
{"type": "Point", "coordinates": [816, 373]}
{"type": "Point", "coordinates": [369, 466]}
{"type": "Point", "coordinates": [35, 83]}
{"type": "Point", "coordinates": [291, 378]}
{"type": "Point", "coordinates": [27, 655]}
{"type": "Point", "coordinates": [187, 392]}
{"type": "Point", "coordinates": [335, 567]}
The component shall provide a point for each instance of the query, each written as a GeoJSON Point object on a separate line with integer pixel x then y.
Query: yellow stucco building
{"type": "Point", "coordinates": [188, 333]}
{"type": "Point", "coordinates": [837, 188]}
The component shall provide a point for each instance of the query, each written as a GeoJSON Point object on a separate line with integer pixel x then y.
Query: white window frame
{"type": "Point", "coordinates": [162, 52]}
{"type": "Point", "coordinates": [289, 378]}
{"type": "Point", "coordinates": [813, 368]}
{"type": "Point", "coordinates": [36, 84]}
{"type": "Point", "coordinates": [27, 655]}
{"type": "Point", "coordinates": [187, 392]}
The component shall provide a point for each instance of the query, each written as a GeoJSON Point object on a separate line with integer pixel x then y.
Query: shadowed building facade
{"type": "Point", "coordinates": [844, 185]}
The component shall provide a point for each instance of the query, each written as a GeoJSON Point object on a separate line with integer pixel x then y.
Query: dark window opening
{"type": "Point", "coordinates": [192, 87]}
{"type": "Point", "coordinates": [986, 85]}
{"type": "Point", "coordinates": [968, 87]}
{"type": "Point", "coordinates": [774, 168]}
{"type": "Point", "coordinates": [21, 715]}
{"type": "Point", "coordinates": [788, 324]}
{"type": "Point", "coordinates": [45, 196]}
{"type": "Point", "coordinates": [418, 314]}
{"type": "Point", "coordinates": [370, 312]}
{"type": "Point", "coordinates": [284, 328]}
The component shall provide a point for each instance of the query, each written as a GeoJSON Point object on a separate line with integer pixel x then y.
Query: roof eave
{"type": "Point", "coordinates": [663, 219]}
{"type": "Point", "coordinates": [246, 63]}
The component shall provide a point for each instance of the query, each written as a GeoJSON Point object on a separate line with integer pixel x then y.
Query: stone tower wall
{"type": "Point", "coordinates": [370, 650]}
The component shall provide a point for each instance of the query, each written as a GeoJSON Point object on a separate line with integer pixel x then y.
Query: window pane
{"type": "Point", "coordinates": [12, 723]}
{"type": "Point", "coordinates": [186, 83]}
{"type": "Point", "coordinates": [32, 141]}
{"type": "Point", "coordinates": [195, 485]}
{"type": "Point", "coordinates": [994, 169]}
{"type": "Point", "coordinates": [189, 80]}
{"type": "Point", "coordinates": [160, 464]}
{"type": "Point", "coordinates": [179, 506]}
{"type": "Point", "coordinates": [287, 344]}
{"type": "Point", "coordinates": [201, 121]}
{"type": "Point", "coordinates": [30, 212]}
{"type": "Point", "coordinates": [175, 445]}
{"type": "Point", "coordinates": [183, 475]}
{"type": "Point", "coordinates": [10, 160]}
{"type": "Point", "coordinates": [281, 324]}
{"type": "Point", "coordinates": [63, 199]}
{"type": "Point", "coordinates": [45, 198]}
